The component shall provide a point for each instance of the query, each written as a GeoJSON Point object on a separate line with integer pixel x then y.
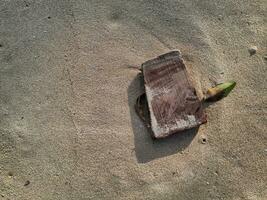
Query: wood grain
{"type": "Point", "coordinates": [173, 103]}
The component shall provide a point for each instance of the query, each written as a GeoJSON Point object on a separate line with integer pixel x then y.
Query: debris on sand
{"type": "Point", "coordinates": [252, 50]}
{"type": "Point", "coordinates": [220, 91]}
{"type": "Point", "coordinates": [172, 101]}
{"type": "Point", "coordinates": [27, 183]}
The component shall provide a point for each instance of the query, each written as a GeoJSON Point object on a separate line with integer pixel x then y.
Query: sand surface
{"type": "Point", "coordinates": [68, 83]}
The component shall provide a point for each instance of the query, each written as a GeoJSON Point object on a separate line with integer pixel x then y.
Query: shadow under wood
{"type": "Point", "coordinates": [146, 148]}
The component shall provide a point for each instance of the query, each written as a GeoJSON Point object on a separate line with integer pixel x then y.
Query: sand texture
{"type": "Point", "coordinates": [69, 81]}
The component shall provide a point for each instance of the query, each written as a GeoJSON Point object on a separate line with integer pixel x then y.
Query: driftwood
{"type": "Point", "coordinates": [172, 101]}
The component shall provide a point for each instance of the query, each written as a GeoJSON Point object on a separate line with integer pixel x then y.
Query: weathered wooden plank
{"type": "Point", "coordinates": [172, 100]}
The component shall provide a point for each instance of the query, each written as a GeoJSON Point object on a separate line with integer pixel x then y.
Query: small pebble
{"type": "Point", "coordinates": [208, 183]}
{"type": "Point", "coordinates": [252, 50]}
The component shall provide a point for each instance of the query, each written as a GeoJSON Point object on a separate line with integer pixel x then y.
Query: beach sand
{"type": "Point", "coordinates": [69, 80]}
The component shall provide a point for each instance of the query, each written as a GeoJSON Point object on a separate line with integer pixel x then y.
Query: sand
{"type": "Point", "coordinates": [69, 80]}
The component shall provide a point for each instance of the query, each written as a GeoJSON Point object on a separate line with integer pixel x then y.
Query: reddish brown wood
{"type": "Point", "coordinates": [173, 103]}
